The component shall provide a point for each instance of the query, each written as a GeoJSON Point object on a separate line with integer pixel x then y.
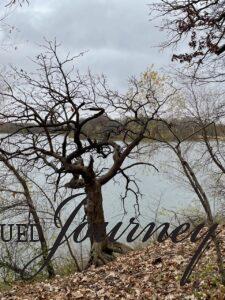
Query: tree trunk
{"type": "Point", "coordinates": [206, 205]}
{"type": "Point", "coordinates": [102, 250]}
{"type": "Point", "coordinates": [32, 209]}
{"type": "Point", "coordinates": [43, 242]}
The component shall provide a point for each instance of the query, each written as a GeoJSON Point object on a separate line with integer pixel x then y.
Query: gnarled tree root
{"type": "Point", "coordinates": [102, 253]}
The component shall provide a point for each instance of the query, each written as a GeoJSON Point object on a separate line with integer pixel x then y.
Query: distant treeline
{"type": "Point", "coordinates": [101, 126]}
{"type": "Point", "coordinates": [182, 128]}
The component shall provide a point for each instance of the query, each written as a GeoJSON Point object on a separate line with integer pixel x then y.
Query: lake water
{"type": "Point", "coordinates": [163, 191]}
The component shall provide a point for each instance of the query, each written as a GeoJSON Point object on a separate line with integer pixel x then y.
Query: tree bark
{"type": "Point", "coordinates": [206, 205]}
{"type": "Point", "coordinates": [32, 209]}
{"type": "Point", "coordinates": [102, 250]}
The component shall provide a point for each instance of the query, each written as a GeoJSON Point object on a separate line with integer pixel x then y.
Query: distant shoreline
{"type": "Point", "coordinates": [10, 128]}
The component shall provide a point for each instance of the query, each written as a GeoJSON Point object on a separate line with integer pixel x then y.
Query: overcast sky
{"type": "Point", "coordinates": [117, 34]}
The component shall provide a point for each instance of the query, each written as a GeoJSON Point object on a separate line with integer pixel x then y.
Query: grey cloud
{"type": "Point", "coordinates": [117, 33]}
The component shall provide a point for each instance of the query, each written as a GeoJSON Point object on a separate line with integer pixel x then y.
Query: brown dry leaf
{"type": "Point", "coordinates": [151, 273]}
{"type": "Point", "coordinates": [77, 295]}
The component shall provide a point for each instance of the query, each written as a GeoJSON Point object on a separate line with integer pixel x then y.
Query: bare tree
{"type": "Point", "coordinates": [181, 146]}
{"type": "Point", "coordinates": [23, 199]}
{"type": "Point", "coordinates": [207, 109]}
{"type": "Point", "coordinates": [26, 200]}
{"type": "Point", "coordinates": [58, 109]}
